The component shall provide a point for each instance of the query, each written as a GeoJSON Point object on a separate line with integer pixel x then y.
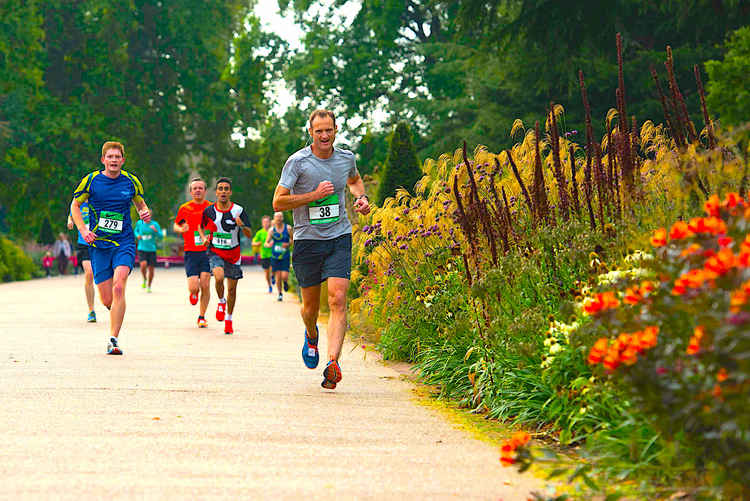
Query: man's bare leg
{"type": "Point", "coordinates": [310, 309]}
{"type": "Point", "coordinates": [337, 288]}
{"type": "Point", "coordinates": [88, 283]}
{"type": "Point", "coordinates": [205, 289]}
{"type": "Point", "coordinates": [231, 294]}
{"type": "Point", "coordinates": [112, 294]}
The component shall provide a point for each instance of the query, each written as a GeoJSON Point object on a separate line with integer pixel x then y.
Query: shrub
{"type": "Point", "coordinates": [14, 263]}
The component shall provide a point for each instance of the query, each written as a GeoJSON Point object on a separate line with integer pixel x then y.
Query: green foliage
{"type": "Point", "coordinates": [402, 169]}
{"type": "Point", "coordinates": [464, 70]}
{"type": "Point", "coordinates": [14, 263]}
{"type": "Point", "coordinates": [46, 233]}
{"type": "Point", "coordinates": [171, 80]}
{"type": "Point", "coordinates": [729, 85]}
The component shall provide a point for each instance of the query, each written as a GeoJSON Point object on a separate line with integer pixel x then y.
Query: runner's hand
{"type": "Point", "coordinates": [70, 224]}
{"type": "Point", "coordinates": [206, 239]}
{"type": "Point", "coordinates": [145, 214]}
{"type": "Point", "coordinates": [239, 222]}
{"type": "Point", "coordinates": [285, 245]}
{"type": "Point", "coordinates": [184, 228]}
{"type": "Point", "coordinates": [324, 189]}
{"type": "Point", "coordinates": [362, 206]}
{"type": "Point", "coordinates": [88, 236]}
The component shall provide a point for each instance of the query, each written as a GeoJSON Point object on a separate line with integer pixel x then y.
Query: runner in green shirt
{"type": "Point", "coordinates": [265, 253]}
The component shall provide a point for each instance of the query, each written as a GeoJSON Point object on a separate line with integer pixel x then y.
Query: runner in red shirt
{"type": "Point", "coordinates": [198, 272]}
{"type": "Point", "coordinates": [224, 220]}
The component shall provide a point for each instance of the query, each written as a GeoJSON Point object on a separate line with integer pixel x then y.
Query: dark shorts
{"type": "Point", "coordinates": [196, 262]}
{"type": "Point", "coordinates": [265, 262]}
{"type": "Point", "coordinates": [318, 260]}
{"type": "Point", "coordinates": [82, 252]}
{"type": "Point", "coordinates": [280, 264]}
{"type": "Point", "coordinates": [104, 261]}
{"type": "Point", "coordinates": [231, 270]}
{"type": "Point", "coordinates": [148, 256]}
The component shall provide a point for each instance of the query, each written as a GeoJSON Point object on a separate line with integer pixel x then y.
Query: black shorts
{"type": "Point", "coordinates": [82, 253]}
{"type": "Point", "coordinates": [148, 256]}
{"type": "Point", "coordinates": [265, 262]}
{"type": "Point", "coordinates": [196, 262]}
{"type": "Point", "coordinates": [315, 261]}
{"type": "Point", "coordinates": [231, 270]}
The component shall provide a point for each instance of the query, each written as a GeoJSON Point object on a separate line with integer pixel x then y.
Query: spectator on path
{"type": "Point", "coordinates": [62, 252]}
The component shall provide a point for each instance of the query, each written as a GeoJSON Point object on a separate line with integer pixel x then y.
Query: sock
{"type": "Point", "coordinates": [222, 300]}
{"type": "Point", "coordinates": [228, 317]}
{"type": "Point", "coordinates": [201, 317]}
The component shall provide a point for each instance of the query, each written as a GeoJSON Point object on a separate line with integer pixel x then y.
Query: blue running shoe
{"type": "Point", "coordinates": [92, 317]}
{"type": "Point", "coordinates": [310, 354]}
{"type": "Point", "coordinates": [270, 289]}
{"type": "Point", "coordinates": [331, 375]}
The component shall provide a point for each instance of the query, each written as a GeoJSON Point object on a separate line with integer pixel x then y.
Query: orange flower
{"type": "Point", "coordinates": [647, 338]}
{"type": "Point", "coordinates": [507, 460]}
{"type": "Point", "coordinates": [520, 438]}
{"type": "Point", "coordinates": [659, 238]}
{"type": "Point", "coordinates": [717, 391]}
{"type": "Point", "coordinates": [722, 262]}
{"type": "Point", "coordinates": [647, 287]}
{"type": "Point", "coordinates": [693, 249]}
{"type": "Point", "coordinates": [711, 206]}
{"type": "Point", "coordinates": [695, 340]}
{"type": "Point", "coordinates": [629, 356]}
{"type": "Point", "coordinates": [737, 300]}
{"type": "Point", "coordinates": [722, 375]}
{"type": "Point", "coordinates": [600, 302]}
{"type": "Point", "coordinates": [632, 295]}
{"type": "Point", "coordinates": [732, 200]}
{"type": "Point", "coordinates": [611, 363]}
{"type": "Point", "coordinates": [712, 225]}
{"type": "Point", "coordinates": [598, 350]}
{"type": "Point", "coordinates": [679, 231]}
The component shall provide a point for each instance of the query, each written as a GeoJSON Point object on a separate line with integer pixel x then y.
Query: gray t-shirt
{"type": "Point", "coordinates": [324, 219]}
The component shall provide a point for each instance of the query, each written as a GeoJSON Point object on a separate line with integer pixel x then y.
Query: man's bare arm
{"type": "Point", "coordinates": [284, 200]}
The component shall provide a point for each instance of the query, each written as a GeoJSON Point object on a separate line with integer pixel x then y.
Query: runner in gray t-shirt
{"type": "Point", "coordinates": [313, 184]}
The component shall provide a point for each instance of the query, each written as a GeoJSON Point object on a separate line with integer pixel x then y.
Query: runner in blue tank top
{"type": "Point", "coordinates": [279, 240]}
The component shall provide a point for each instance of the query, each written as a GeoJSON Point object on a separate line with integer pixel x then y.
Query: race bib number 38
{"type": "Point", "coordinates": [325, 210]}
{"type": "Point", "coordinates": [110, 222]}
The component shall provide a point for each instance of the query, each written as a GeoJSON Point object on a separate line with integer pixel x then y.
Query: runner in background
{"type": "Point", "coordinates": [197, 269]}
{"type": "Point", "coordinates": [224, 219]}
{"type": "Point", "coordinates": [82, 250]}
{"type": "Point", "coordinates": [148, 235]}
{"type": "Point", "coordinates": [279, 241]}
{"type": "Point", "coordinates": [259, 248]}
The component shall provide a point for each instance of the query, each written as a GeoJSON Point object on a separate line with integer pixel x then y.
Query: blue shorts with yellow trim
{"type": "Point", "coordinates": [104, 261]}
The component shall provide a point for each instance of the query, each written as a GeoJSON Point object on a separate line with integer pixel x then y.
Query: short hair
{"type": "Point", "coordinates": [278, 213]}
{"type": "Point", "coordinates": [197, 180]}
{"type": "Point", "coordinates": [113, 145]}
{"type": "Point", "coordinates": [224, 180]}
{"type": "Point", "coordinates": [265, 216]}
{"type": "Point", "coordinates": [322, 114]}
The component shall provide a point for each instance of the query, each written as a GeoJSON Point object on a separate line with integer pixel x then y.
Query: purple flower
{"type": "Point", "coordinates": [367, 229]}
{"type": "Point", "coordinates": [403, 246]}
{"type": "Point", "coordinates": [406, 211]}
{"type": "Point", "coordinates": [396, 218]}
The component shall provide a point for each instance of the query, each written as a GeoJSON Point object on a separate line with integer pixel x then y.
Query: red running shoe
{"type": "Point", "coordinates": [220, 308]}
{"type": "Point", "coordinates": [331, 375]}
{"type": "Point", "coordinates": [202, 324]}
{"type": "Point", "coordinates": [228, 327]}
{"type": "Point", "coordinates": [193, 299]}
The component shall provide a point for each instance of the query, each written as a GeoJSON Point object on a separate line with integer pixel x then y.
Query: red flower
{"type": "Point", "coordinates": [732, 200]}
{"type": "Point", "coordinates": [725, 241]}
{"type": "Point", "coordinates": [722, 262]}
{"type": "Point", "coordinates": [679, 231]}
{"type": "Point", "coordinates": [659, 238]}
{"type": "Point", "coordinates": [600, 302]}
{"type": "Point", "coordinates": [711, 206]}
